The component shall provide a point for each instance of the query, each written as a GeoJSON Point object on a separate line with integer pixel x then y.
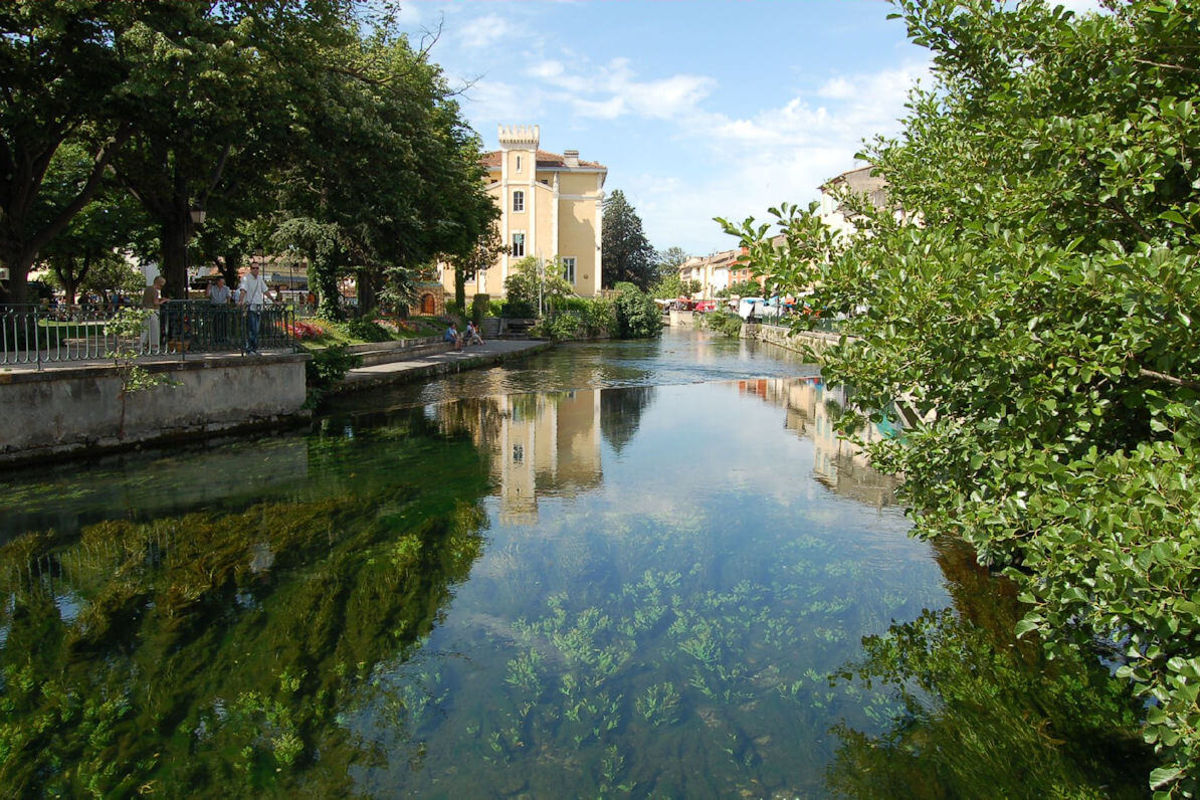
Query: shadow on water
{"type": "Point", "coordinates": [677, 589]}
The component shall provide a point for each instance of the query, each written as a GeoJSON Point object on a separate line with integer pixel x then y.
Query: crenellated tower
{"type": "Point", "coordinates": [520, 137]}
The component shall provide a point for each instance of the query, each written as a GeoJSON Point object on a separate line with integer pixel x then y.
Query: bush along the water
{"type": "Point", "coordinates": [723, 322]}
{"type": "Point", "coordinates": [1040, 322]}
{"type": "Point", "coordinates": [638, 316]}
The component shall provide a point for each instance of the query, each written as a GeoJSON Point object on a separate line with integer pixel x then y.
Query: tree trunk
{"type": "Point", "coordinates": [176, 233]}
{"type": "Point", "coordinates": [460, 288]}
{"type": "Point", "coordinates": [367, 296]}
{"type": "Point", "coordinates": [230, 267]}
{"type": "Point", "coordinates": [16, 289]}
{"type": "Point", "coordinates": [325, 277]}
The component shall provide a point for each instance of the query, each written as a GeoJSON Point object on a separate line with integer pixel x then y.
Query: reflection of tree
{"type": "Point", "coordinates": [980, 714]}
{"type": "Point", "coordinates": [213, 653]}
{"type": "Point", "coordinates": [621, 413]}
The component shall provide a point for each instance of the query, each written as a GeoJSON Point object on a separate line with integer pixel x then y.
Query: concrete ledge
{"type": "Point", "coordinates": [65, 411]}
{"type": "Point", "coordinates": [431, 365]}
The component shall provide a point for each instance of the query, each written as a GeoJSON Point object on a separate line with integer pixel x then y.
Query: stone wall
{"type": "Point", "coordinates": [65, 410]}
{"type": "Point", "coordinates": [785, 337]}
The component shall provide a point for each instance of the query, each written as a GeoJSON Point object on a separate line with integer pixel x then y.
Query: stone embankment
{"type": "Point", "coordinates": [79, 409]}
{"type": "Point", "coordinates": [781, 336]}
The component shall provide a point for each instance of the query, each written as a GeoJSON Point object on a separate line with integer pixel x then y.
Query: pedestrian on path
{"type": "Point", "coordinates": [252, 295]}
{"type": "Point", "coordinates": [152, 299]}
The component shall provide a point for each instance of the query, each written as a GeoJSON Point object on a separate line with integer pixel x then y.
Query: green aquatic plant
{"type": "Point", "coordinates": [242, 635]}
{"type": "Point", "coordinates": [659, 704]}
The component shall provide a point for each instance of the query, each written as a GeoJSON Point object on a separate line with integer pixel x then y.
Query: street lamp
{"type": "Point", "coordinates": [197, 214]}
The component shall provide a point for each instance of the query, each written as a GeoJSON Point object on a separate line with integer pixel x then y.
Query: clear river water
{"type": "Point", "coordinates": [641, 569]}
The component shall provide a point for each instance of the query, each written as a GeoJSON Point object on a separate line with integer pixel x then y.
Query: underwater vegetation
{"type": "Point", "coordinates": [213, 654]}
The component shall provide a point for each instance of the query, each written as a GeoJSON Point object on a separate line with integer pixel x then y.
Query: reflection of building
{"type": "Point", "coordinates": [811, 409]}
{"type": "Point", "coordinates": [541, 444]}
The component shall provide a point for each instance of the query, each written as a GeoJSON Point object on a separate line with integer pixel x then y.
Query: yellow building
{"type": "Point", "coordinates": [550, 205]}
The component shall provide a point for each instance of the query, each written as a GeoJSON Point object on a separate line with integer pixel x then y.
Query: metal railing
{"type": "Point", "coordinates": [37, 335]}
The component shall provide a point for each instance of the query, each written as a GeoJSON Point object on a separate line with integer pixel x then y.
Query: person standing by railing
{"type": "Point", "coordinates": [151, 300]}
{"type": "Point", "coordinates": [218, 297]}
{"type": "Point", "coordinates": [252, 294]}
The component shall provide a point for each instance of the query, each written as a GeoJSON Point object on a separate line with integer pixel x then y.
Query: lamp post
{"type": "Point", "coordinates": [196, 215]}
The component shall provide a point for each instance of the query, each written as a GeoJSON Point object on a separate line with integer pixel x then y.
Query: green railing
{"type": "Point", "coordinates": [36, 335]}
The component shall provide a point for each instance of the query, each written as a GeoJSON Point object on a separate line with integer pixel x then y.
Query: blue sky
{"type": "Point", "coordinates": [699, 108]}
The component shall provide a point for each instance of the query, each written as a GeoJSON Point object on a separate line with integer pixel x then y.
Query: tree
{"type": "Point", "coordinates": [387, 176]}
{"type": "Point", "coordinates": [90, 250]}
{"type": "Point", "coordinates": [626, 254]}
{"type": "Point", "coordinates": [64, 80]}
{"type": "Point", "coordinates": [536, 284]}
{"type": "Point", "coordinates": [1038, 324]}
{"type": "Point", "coordinates": [218, 114]}
{"type": "Point", "coordinates": [638, 316]}
{"type": "Point", "coordinates": [479, 258]}
{"type": "Point", "coordinates": [671, 259]}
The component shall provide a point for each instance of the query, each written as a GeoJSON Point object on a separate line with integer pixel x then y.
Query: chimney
{"type": "Point", "coordinates": [571, 158]}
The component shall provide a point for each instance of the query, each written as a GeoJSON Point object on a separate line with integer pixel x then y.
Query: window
{"type": "Point", "coordinates": [518, 201]}
{"type": "Point", "coordinates": [518, 163]}
{"type": "Point", "coordinates": [518, 245]}
{"type": "Point", "coordinates": [569, 269]}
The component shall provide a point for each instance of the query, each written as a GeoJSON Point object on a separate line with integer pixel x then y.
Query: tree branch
{"type": "Point", "coordinates": [85, 195]}
{"type": "Point", "coordinates": [1165, 66]}
{"type": "Point", "coordinates": [1165, 378]}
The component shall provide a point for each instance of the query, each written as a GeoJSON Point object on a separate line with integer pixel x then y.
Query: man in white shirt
{"type": "Point", "coordinates": [252, 294]}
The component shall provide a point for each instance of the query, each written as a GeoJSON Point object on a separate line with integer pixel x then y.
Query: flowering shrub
{"type": "Point", "coordinates": [305, 330]}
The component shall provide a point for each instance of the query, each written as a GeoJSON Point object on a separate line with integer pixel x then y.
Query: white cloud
{"type": "Point", "coordinates": [779, 154]}
{"type": "Point", "coordinates": [485, 31]}
{"type": "Point", "coordinates": [613, 90]}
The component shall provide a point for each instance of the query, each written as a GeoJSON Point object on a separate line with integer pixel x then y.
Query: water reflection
{"type": "Point", "coordinates": [812, 408]}
{"type": "Point", "coordinates": [595, 590]}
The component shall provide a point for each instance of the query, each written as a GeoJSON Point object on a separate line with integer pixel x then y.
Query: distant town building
{"type": "Point", "coordinates": [862, 182]}
{"type": "Point", "coordinates": [711, 272]}
{"type": "Point", "coordinates": [550, 206]}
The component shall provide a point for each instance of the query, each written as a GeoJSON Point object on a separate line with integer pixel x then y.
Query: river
{"type": "Point", "coordinates": [644, 569]}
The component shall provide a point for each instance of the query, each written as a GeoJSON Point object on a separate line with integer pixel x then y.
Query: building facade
{"type": "Point", "coordinates": [550, 207]}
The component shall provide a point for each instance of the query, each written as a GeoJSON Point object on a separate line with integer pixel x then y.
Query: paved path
{"type": "Point", "coordinates": [412, 368]}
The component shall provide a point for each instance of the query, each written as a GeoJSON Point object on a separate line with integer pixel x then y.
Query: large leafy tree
{"type": "Point", "coordinates": [389, 174]}
{"type": "Point", "coordinates": [64, 79]}
{"type": "Point", "coordinates": [626, 254]}
{"type": "Point", "coordinates": [1037, 328]}
{"type": "Point", "coordinates": [225, 81]}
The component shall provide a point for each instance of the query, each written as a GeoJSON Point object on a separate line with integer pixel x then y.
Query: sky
{"type": "Point", "coordinates": [698, 108]}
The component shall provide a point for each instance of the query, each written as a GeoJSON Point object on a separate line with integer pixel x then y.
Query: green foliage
{"type": "Point", "coordinates": [627, 253]}
{"type": "Point", "coordinates": [480, 307]}
{"type": "Point", "coordinates": [723, 322]}
{"type": "Point", "coordinates": [366, 329]}
{"type": "Point", "coordinates": [326, 369]}
{"type": "Point", "coordinates": [533, 281]}
{"type": "Point", "coordinates": [579, 318]}
{"type": "Point", "coordinates": [741, 288]}
{"type": "Point", "coordinates": [1039, 324]}
{"type": "Point", "coordinates": [637, 314]}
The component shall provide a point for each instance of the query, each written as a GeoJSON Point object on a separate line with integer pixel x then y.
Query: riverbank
{"type": "Point", "coordinates": [65, 411]}
{"type": "Point", "coordinates": [429, 364]}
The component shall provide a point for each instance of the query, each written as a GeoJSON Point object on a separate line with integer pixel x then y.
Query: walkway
{"type": "Point", "coordinates": [416, 367]}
